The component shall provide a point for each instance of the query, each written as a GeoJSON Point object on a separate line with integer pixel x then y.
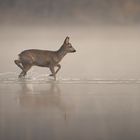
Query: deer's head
{"type": "Point", "coordinates": [67, 46]}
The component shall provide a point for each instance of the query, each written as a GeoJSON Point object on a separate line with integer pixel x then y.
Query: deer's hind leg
{"type": "Point", "coordinates": [18, 63]}
{"type": "Point", "coordinates": [26, 68]}
{"type": "Point", "coordinates": [25, 63]}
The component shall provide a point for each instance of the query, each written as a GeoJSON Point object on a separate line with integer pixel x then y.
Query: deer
{"type": "Point", "coordinates": [43, 58]}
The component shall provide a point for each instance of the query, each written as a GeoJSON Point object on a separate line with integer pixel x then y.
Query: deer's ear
{"type": "Point", "coordinates": [66, 41]}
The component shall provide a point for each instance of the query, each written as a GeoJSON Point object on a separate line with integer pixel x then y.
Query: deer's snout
{"type": "Point", "coordinates": [74, 50]}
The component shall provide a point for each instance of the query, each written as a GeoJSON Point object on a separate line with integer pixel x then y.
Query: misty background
{"type": "Point", "coordinates": [70, 11]}
{"type": "Point", "coordinates": [105, 34]}
{"type": "Point", "coordinates": [96, 95]}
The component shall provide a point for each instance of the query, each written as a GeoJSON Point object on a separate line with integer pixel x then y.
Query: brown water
{"type": "Point", "coordinates": [97, 92]}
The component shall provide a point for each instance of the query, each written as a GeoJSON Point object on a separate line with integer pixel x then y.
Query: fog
{"type": "Point", "coordinates": [105, 34]}
{"type": "Point", "coordinates": [96, 93]}
{"type": "Point", "coordinates": [103, 52]}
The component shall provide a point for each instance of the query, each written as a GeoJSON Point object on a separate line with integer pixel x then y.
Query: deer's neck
{"type": "Point", "coordinates": [61, 53]}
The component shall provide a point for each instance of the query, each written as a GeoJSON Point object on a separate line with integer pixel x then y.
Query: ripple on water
{"type": "Point", "coordinates": [11, 77]}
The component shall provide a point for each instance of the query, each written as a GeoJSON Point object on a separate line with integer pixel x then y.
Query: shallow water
{"type": "Point", "coordinates": [61, 110]}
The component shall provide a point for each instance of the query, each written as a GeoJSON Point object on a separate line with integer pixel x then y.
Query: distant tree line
{"type": "Point", "coordinates": [113, 10]}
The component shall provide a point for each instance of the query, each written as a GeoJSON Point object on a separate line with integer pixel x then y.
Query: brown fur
{"type": "Point", "coordinates": [43, 58]}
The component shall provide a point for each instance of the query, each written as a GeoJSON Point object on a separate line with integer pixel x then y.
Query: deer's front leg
{"type": "Point", "coordinates": [59, 67]}
{"type": "Point", "coordinates": [53, 71]}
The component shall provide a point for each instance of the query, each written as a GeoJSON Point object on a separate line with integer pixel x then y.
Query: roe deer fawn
{"type": "Point", "coordinates": [43, 58]}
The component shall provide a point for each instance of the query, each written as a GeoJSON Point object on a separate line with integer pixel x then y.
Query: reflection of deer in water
{"type": "Point", "coordinates": [40, 99]}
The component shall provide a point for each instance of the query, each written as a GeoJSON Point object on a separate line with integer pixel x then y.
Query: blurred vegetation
{"type": "Point", "coordinates": [114, 11]}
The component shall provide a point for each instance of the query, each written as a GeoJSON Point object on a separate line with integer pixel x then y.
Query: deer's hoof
{"type": "Point", "coordinates": [51, 75]}
{"type": "Point", "coordinates": [21, 76]}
